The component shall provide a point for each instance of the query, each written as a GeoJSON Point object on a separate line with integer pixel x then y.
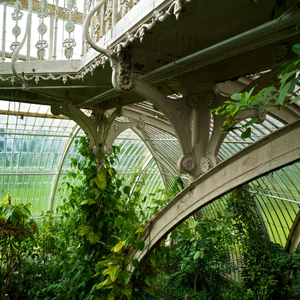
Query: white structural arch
{"type": "Point", "coordinates": [270, 153]}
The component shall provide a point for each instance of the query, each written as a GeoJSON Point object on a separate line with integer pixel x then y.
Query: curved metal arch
{"type": "Point", "coordinates": [61, 163]}
{"type": "Point", "coordinates": [266, 155]}
{"type": "Point", "coordinates": [293, 239]}
{"type": "Point", "coordinates": [155, 122]}
{"type": "Point", "coordinates": [152, 151]}
{"type": "Point", "coordinates": [157, 158]}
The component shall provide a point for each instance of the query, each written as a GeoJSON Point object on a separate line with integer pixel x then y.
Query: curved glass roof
{"type": "Point", "coordinates": [36, 150]}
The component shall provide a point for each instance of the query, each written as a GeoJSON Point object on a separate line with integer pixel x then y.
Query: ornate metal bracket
{"type": "Point", "coordinates": [97, 127]}
{"type": "Point", "coordinates": [122, 76]}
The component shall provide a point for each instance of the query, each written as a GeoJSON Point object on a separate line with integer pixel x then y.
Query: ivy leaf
{"type": "Point", "coordinates": [111, 271]}
{"type": "Point", "coordinates": [246, 133]}
{"type": "Point", "coordinates": [131, 214]}
{"type": "Point", "coordinates": [135, 263]}
{"type": "Point", "coordinates": [214, 240]}
{"type": "Point", "coordinates": [118, 183]}
{"type": "Point", "coordinates": [118, 248]}
{"type": "Point", "coordinates": [94, 237]}
{"type": "Point", "coordinates": [118, 221]}
{"type": "Point", "coordinates": [101, 179]}
{"type": "Point", "coordinates": [140, 229]}
{"type": "Point", "coordinates": [101, 184]}
{"type": "Point", "coordinates": [104, 283]}
{"type": "Point", "coordinates": [81, 164]}
{"type": "Point", "coordinates": [126, 190]}
{"type": "Point", "coordinates": [141, 245]}
{"type": "Point", "coordinates": [102, 175]}
{"type": "Point", "coordinates": [88, 201]}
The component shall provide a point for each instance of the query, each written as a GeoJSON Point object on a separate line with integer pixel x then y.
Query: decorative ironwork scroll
{"type": "Point", "coordinates": [16, 31]}
{"type": "Point", "coordinates": [42, 44]}
{"type": "Point", "coordinates": [70, 42]}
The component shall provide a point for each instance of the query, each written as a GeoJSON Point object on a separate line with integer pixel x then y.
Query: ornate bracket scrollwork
{"type": "Point", "coordinates": [97, 127]}
{"type": "Point", "coordinates": [122, 76]}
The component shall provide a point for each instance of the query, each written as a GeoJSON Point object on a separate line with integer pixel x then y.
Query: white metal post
{"type": "Point", "coordinates": [114, 12]}
{"type": "Point", "coordinates": [29, 31]}
{"type": "Point", "coordinates": [51, 36]}
{"type": "Point", "coordinates": [83, 39]}
{"type": "Point", "coordinates": [4, 31]}
{"type": "Point", "coordinates": [55, 29]}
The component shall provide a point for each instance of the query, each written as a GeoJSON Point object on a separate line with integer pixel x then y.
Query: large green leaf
{"type": "Point", "coordinates": [118, 248]}
{"type": "Point", "coordinates": [111, 271]}
{"type": "Point", "coordinates": [246, 134]}
{"type": "Point", "coordinates": [283, 94]}
{"type": "Point", "coordinates": [88, 201]}
{"type": "Point", "coordinates": [135, 263]}
{"type": "Point", "coordinates": [296, 48]}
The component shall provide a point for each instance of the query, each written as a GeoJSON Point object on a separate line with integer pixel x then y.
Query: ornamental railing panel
{"type": "Point", "coordinates": [55, 28]}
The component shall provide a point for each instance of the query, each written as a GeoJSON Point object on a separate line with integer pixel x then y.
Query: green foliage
{"type": "Point", "coordinates": [200, 260]}
{"type": "Point", "coordinates": [16, 228]}
{"type": "Point", "coordinates": [79, 252]}
{"type": "Point", "coordinates": [269, 98]}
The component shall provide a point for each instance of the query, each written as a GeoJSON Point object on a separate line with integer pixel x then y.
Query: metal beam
{"type": "Point", "coordinates": [252, 39]}
{"type": "Point", "coordinates": [134, 113]}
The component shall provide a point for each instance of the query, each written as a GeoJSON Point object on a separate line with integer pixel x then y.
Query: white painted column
{"type": "Point", "coordinates": [55, 29]}
{"type": "Point", "coordinates": [83, 38]}
{"type": "Point", "coordinates": [29, 31]}
{"type": "Point", "coordinates": [114, 12]}
{"type": "Point", "coordinates": [4, 31]}
{"type": "Point", "coordinates": [51, 36]}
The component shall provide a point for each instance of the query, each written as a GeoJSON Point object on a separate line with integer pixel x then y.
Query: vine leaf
{"type": "Point", "coordinates": [246, 134]}
{"type": "Point", "coordinates": [135, 263]}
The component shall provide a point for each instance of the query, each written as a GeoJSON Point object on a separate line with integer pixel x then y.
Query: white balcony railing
{"type": "Point", "coordinates": [56, 28]}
